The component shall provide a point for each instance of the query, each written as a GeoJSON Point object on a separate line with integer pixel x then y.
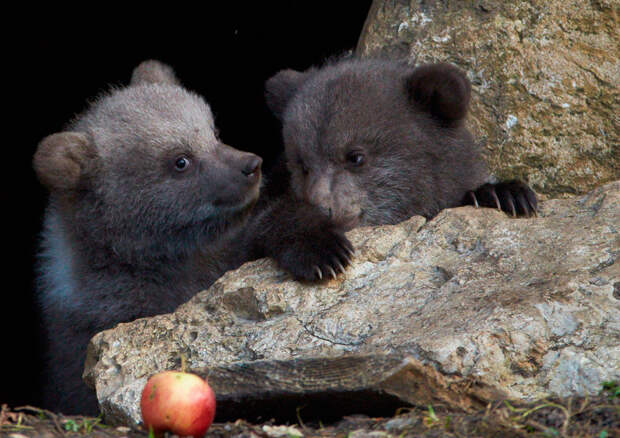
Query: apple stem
{"type": "Point", "coordinates": [182, 363]}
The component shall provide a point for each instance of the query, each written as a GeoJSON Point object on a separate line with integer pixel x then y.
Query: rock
{"type": "Point", "coordinates": [470, 306]}
{"type": "Point", "coordinates": [332, 386]}
{"type": "Point", "coordinates": [545, 78]}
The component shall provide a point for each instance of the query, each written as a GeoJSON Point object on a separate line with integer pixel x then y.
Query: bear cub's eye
{"type": "Point", "coordinates": [355, 158]}
{"type": "Point", "coordinates": [182, 163]}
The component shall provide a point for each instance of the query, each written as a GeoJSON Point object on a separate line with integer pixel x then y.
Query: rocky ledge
{"type": "Point", "coordinates": [472, 305]}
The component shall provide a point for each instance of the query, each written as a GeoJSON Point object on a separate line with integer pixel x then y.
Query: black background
{"type": "Point", "coordinates": [224, 51]}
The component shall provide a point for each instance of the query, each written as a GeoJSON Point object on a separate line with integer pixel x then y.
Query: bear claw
{"type": "Point", "coordinates": [513, 197]}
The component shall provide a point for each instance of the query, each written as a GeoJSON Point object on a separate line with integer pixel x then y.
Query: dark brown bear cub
{"type": "Point", "coordinates": [146, 209]}
{"type": "Point", "coordinates": [375, 142]}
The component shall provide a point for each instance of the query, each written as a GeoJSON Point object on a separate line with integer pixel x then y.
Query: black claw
{"type": "Point", "coordinates": [496, 199]}
{"type": "Point", "coordinates": [512, 197]}
{"type": "Point", "coordinates": [338, 265]}
{"type": "Point", "coordinates": [351, 252]}
{"type": "Point", "coordinates": [347, 252]}
{"type": "Point", "coordinates": [522, 203]}
{"type": "Point", "coordinates": [511, 204]}
{"type": "Point", "coordinates": [473, 196]}
{"type": "Point", "coordinates": [346, 256]}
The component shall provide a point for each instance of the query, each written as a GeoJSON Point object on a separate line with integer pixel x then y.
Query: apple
{"type": "Point", "coordinates": [179, 402]}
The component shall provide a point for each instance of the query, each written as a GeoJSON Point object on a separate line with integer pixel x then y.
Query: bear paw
{"type": "Point", "coordinates": [513, 197]}
{"type": "Point", "coordinates": [316, 254]}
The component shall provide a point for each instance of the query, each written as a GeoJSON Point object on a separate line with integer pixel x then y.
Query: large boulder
{"type": "Point", "coordinates": [545, 77]}
{"type": "Point", "coordinates": [471, 305]}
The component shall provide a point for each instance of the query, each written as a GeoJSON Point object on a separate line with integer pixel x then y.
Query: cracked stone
{"type": "Point", "coordinates": [507, 310]}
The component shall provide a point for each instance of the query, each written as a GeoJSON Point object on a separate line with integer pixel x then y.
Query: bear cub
{"type": "Point", "coordinates": [146, 207]}
{"type": "Point", "coordinates": [372, 142]}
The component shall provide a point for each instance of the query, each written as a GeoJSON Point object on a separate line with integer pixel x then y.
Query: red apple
{"type": "Point", "coordinates": [181, 403]}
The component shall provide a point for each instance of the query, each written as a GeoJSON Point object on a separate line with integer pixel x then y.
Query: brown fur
{"type": "Point", "coordinates": [372, 142]}
{"type": "Point", "coordinates": [146, 208]}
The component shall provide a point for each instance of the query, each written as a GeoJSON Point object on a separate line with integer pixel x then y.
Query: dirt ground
{"type": "Point", "coordinates": [579, 417]}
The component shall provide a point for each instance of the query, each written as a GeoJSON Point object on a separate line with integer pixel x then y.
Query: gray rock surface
{"type": "Point", "coordinates": [545, 77]}
{"type": "Point", "coordinates": [529, 307]}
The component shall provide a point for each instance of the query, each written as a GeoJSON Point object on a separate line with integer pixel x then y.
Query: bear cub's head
{"type": "Point", "coordinates": [376, 141]}
{"type": "Point", "coordinates": [143, 170]}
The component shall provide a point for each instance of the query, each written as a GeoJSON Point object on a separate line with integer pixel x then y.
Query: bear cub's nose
{"type": "Point", "coordinates": [252, 166]}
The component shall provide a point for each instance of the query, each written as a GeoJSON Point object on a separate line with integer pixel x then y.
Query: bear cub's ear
{"type": "Point", "coordinates": [153, 72]}
{"type": "Point", "coordinates": [60, 160]}
{"type": "Point", "coordinates": [441, 89]}
{"type": "Point", "coordinates": [280, 88]}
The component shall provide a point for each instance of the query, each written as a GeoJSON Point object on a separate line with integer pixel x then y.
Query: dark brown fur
{"type": "Point", "coordinates": [371, 142]}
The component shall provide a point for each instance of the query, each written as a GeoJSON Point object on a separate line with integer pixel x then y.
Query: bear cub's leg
{"type": "Point", "coordinates": [301, 239]}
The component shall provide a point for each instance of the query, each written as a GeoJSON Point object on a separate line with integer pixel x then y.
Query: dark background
{"type": "Point", "coordinates": [54, 66]}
